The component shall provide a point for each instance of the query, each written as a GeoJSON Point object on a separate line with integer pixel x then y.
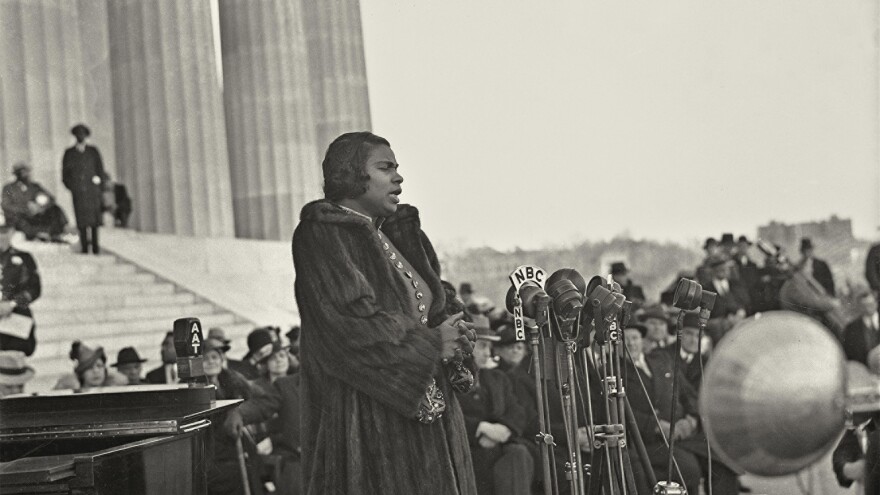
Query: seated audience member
{"type": "Point", "coordinates": [273, 366]}
{"type": "Point", "coordinates": [90, 370]}
{"type": "Point", "coordinates": [863, 333]}
{"type": "Point", "coordinates": [167, 373]}
{"type": "Point", "coordinates": [857, 457]}
{"type": "Point", "coordinates": [20, 286]}
{"type": "Point", "coordinates": [478, 310]}
{"type": "Point", "coordinates": [690, 350]}
{"type": "Point", "coordinates": [731, 302]}
{"type": "Point", "coordinates": [511, 353]}
{"type": "Point", "coordinates": [224, 475]}
{"type": "Point", "coordinates": [659, 334]}
{"type": "Point", "coordinates": [14, 373]}
{"type": "Point", "coordinates": [656, 372]}
{"type": "Point", "coordinates": [282, 399]}
{"type": "Point", "coordinates": [495, 421]}
{"type": "Point", "coordinates": [220, 334]}
{"type": "Point", "coordinates": [30, 208]}
{"type": "Point", "coordinates": [129, 363]}
{"type": "Point", "coordinates": [633, 292]}
{"type": "Point", "coordinates": [260, 342]}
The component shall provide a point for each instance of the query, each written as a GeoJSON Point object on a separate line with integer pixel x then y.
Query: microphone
{"type": "Point", "coordinates": [707, 302]}
{"type": "Point", "coordinates": [188, 341]}
{"type": "Point", "coordinates": [688, 295]}
{"type": "Point", "coordinates": [567, 288]}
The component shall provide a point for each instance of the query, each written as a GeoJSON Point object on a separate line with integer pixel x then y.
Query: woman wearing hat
{"type": "Point", "coordinates": [14, 372]}
{"type": "Point", "coordinates": [90, 370]}
{"type": "Point", "coordinates": [224, 475]}
{"type": "Point", "coordinates": [495, 421]}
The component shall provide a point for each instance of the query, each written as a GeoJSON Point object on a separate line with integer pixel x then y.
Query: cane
{"type": "Point", "coordinates": [241, 463]}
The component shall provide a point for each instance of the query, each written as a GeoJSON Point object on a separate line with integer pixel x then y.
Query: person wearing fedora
{"type": "Point", "coordinates": [814, 267]}
{"type": "Point", "coordinates": [30, 208]}
{"type": "Point", "coordinates": [633, 292]}
{"type": "Point", "coordinates": [90, 370]}
{"type": "Point", "coordinates": [128, 362]}
{"type": "Point", "coordinates": [82, 172]}
{"type": "Point", "coordinates": [14, 373]}
{"type": "Point", "coordinates": [20, 286]}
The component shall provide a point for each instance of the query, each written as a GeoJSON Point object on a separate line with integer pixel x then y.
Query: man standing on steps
{"type": "Point", "coordinates": [82, 172]}
{"type": "Point", "coordinates": [20, 286]}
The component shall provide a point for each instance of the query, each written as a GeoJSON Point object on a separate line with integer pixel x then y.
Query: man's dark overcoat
{"type": "Point", "coordinates": [367, 361]}
{"type": "Point", "coordinates": [83, 173]}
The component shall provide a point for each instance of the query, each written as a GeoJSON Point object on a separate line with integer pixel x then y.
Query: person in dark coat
{"type": "Point", "coordinates": [872, 268]}
{"type": "Point", "coordinates": [656, 372]}
{"type": "Point", "coordinates": [689, 356]}
{"type": "Point", "coordinates": [20, 286]}
{"type": "Point", "coordinates": [632, 291]}
{"type": "Point", "coordinates": [379, 413]}
{"type": "Point", "coordinates": [749, 273]}
{"type": "Point", "coordinates": [167, 372]}
{"type": "Point", "coordinates": [495, 422]}
{"type": "Point", "coordinates": [732, 301]}
{"type": "Point", "coordinates": [224, 474]}
{"type": "Point", "coordinates": [30, 208]}
{"type": "Point", "coordinates": [82, 172]}
{"type": "Point", "coordinates": [863, 333]}
{"type": "Point", "coordinates": [815, 268]}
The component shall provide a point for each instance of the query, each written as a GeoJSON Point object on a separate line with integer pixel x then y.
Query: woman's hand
{"type": "Point", "coordinates": [450, 335]}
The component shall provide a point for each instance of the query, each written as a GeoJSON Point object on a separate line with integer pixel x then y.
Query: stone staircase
{"type": "Point", "coordinates": [105, 301]}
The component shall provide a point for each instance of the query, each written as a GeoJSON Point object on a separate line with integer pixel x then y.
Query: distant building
{"type": "Point", "coordinates": [835, 232]}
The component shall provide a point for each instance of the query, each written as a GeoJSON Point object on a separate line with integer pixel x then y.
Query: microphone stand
{"type": "Point", "coordinates": [544, 438]}
{"type": "Point", "coordinates": [568, 393]}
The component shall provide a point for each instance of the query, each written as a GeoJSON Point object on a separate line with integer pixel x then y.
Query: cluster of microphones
{"type": "Point", "coordinates": [567, 301]}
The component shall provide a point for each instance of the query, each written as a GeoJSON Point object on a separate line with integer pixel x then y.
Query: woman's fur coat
{"type": "Point", "coordinates": [366, 362]}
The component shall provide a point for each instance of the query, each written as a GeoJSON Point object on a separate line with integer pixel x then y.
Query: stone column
{"type": "Point", "coordinates": [275, 166]}
{"type": "Point", "coordinates": [337, 68]}
{"type": "Point", "coordinates": [168, 108]}
{"type": "Point", "coordinates": [54, 73]}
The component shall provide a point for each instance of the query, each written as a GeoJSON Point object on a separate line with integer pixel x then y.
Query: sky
{"type": "Point", "coordinates": [534, 124]}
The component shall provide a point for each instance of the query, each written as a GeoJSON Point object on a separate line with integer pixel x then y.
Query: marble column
{"type": "Point", "coordinates": [169, 118]}
{"type": "Point", "coordinates": [54, 73]}
{"type": "Point", "coordinates": [275, 165]}
{"type": "Point", "coordinates": [337, 68]}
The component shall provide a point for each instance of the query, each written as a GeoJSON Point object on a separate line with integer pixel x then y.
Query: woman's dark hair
{"type": "Point", "coordinates": [344, 174]}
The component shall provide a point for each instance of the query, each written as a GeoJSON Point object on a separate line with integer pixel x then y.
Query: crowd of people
{"type": "Point", "coordinates": [402, 384]}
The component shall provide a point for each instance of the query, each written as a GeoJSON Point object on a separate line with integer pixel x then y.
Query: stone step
{"type": "Point", "coordinates": [49, 277]}
{"type": "Point", "coordinates": [107, 289]}
{"type": "Point", "coordinates": [67, 258]}
{"type": "Point", "coordinates": [57, 339]}
{"type": "Point", "coordinates": [114, 300]}
{"type": "Point", "coordinates": [56, 317]}
{"type": "Point", "coordinates": [88, 270]}
{"type": "Point", "coordinates": [50, 367]}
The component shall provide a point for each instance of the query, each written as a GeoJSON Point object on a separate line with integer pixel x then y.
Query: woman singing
{"type": "Point", "coordinates": [379, 352]}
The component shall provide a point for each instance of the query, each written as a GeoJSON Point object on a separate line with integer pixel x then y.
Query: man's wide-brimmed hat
{"type": "Point", "coordinates": [127, 355]}
{"type": "Point", "coordinates": [14, 369]}
{"type": "Point", "coordinates": [219, 334]}
{"type": "Point", "coordinates": [214, 344]}
{"type": "Point", "coordinates": [80, 129]}
{"type": "Point", "coordinates": [806, 243]}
